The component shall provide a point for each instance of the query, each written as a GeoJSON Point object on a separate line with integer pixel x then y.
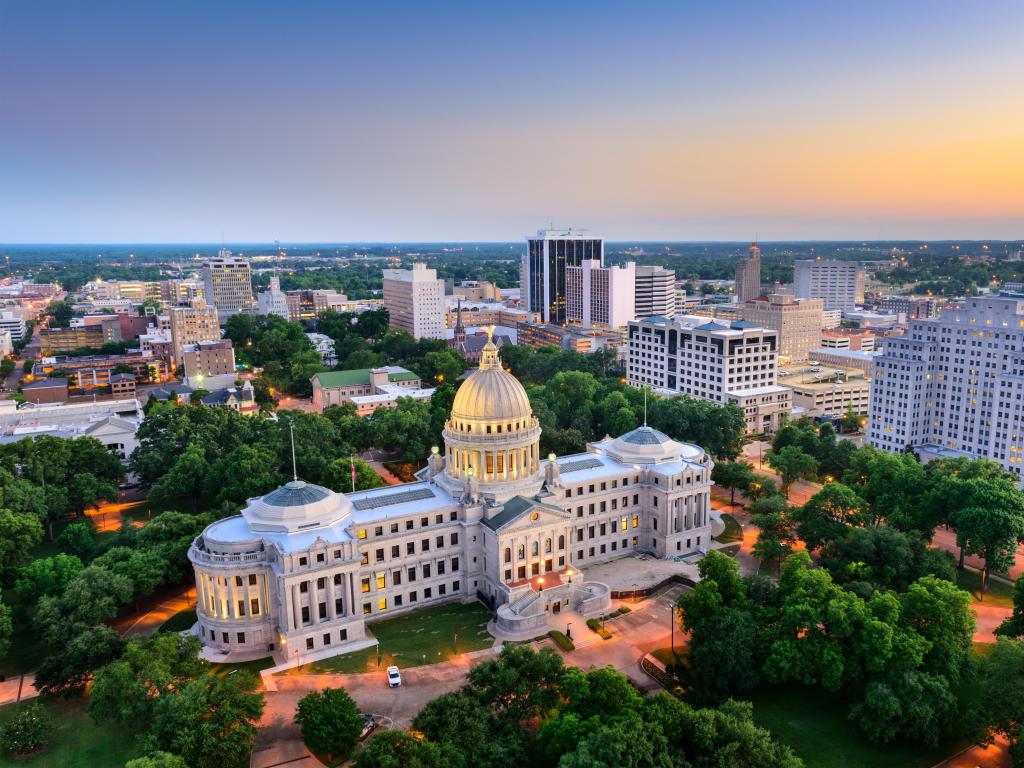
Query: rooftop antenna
{"type": "Point", "coordinates": [291, 429]}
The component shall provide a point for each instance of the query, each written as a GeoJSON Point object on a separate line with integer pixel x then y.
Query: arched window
{"type": "Point", "coordinates": [561, 542]}
{"type": "Point", "coordinates": [522, 551]}
{"type": "Point", "coordinates": [547, 546]}
{"type": "Point", "coordinates": [508, 554]}
{"type": "Point", "coordinates": [535, 548]}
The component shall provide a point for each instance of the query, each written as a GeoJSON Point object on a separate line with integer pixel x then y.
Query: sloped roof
{"type": "Point", "coordinates": [515, 508]}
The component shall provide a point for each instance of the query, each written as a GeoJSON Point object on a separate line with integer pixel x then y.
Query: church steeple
{"type": "Point", "coordinates": [460, 330]}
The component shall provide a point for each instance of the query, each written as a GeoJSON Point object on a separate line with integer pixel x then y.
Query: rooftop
{"type": "Point", "coordinates": [361, 376]}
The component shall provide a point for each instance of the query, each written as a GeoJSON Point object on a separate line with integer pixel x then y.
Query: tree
{"type": "Point", "coordinates": [157, 759]}
{"type": "Point", "coordinates": [397, 749]}
{"type": "Point", "coordinates": [469, 733]}
{"type": "Point", "coordinates": [775, 537]}
{"type": "Point", "coordinates": [338, 476]}
{"type": "Point", "coordinates": [6, 628]}
{"type": "Point", "coordinates": [86, 490]}
{"type": "Point", "coordinates": [330, 721]}
{"type": "Point", "coordinates": [851, 421]}
{"type": "Point", "coordinates": [792, 464]}
{"type": "Point", "coordinates": [734, 475]}
{"type": "Point", "coordinates": [999, 705]}
{"type": "Point", "coordinates": [18, 534]}
{"type": "Point", "coordinates": [243, 472]}
{"type": "Point", "coordinates": [893, 487]}
{"type": "Point", "coordinates": [1013, 625]}
{"type": "Point", "coordinates": [519, 682]}
{"type": "Point", "coordinates": [185, 478]}
{"type": "Point", "coordinates": [210, 721]}
{"type": "Point", "coordinates": [46, 576]}
{"type": "Point", "coordinates": [79, 539]}
{"type": "Point", "coordinates": [992, 532]}
{"type": "Point", "coordinates": [828, 514]}
{"type": "Point", "coordinates": [26, 732]}
{"type": "Point", "coordinates": [406, 428]}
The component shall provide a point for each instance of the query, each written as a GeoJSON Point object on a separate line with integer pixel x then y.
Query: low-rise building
{"type": "Point", "coordinates": [112, 422]}
{"type": "Point", "coordinates": [569, 338]}
{"type": "Point", "coordinates": [14, 324]}
{"type": "Point", "coordinates": [828, 392]}
{"type": "Point", "coordinates": [122, 385]}
{"type": "Point", "coordinates": [54, 341]}
{"type": "Point", "coordinates": [324, 346]}
{"type": "Point", "coordinates": [304, 306]}
{"type": "Point", "coordinates": [368, 388]}
{"type": "Point", "coordinates": [209, 364]}
{"type": "Point", "coordinates": [857, 339]}
{"type": "Point", "coordinates": [46, 390]}
{"type": "Point", "coordinates": [241, 399]}
{"type": "Point", "coordinates": [845, 358]}
{"type": "Point", "coordinates": [87, 372]}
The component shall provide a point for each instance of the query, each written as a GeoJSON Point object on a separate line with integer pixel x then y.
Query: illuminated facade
{"type": "Point", "coordinates": [303, 569]}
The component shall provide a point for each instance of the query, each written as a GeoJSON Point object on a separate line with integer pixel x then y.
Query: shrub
{"type": "Point", "coordinates": [330, 721]}
{"type": "Point", "coordinates": [595, 626]}
{"type": "Point", "coordinates": [26, 732]}
{"type": "Point", "coordinates": [563, 642]}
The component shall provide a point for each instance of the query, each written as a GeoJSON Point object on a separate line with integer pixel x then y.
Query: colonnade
{"type": "Point", "coordinates": [293, 600]}
{"type": "Point", "coordinates": [494, 465]}
{"type": "Point", "coordinates": [689, 512]}
{"type": "Point", "coordinates": [218, 595]}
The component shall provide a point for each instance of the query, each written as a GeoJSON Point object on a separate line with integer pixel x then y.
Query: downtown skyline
{"type": "Point", "coordinates": [459, 124]}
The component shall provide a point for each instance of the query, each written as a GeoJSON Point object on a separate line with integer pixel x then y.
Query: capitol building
{"type": "Point", "coordinates": [303, 570]}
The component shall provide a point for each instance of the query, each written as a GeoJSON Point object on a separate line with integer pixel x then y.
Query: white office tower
{"type": "Point", "coordinates": [227, 282]}
{"type": "Point", "coordinates": [597, 295]}
{"type": "Point", "coordinates": [273, 301]}
{"type": "Point", "coordinates": [840, 284]}
{"type": "Point", "coordinates": [415, 301]}
{"type": "Point", "coordinates": [735, 363]}
{"type": "Point", "coordinates": [954, 384]}
{"type": "Point", "coordinates": [655, 292]}
{"type": "Point", "coordinates": [543, 274]}
{"type": "Point", "coordinates": [748, 275]}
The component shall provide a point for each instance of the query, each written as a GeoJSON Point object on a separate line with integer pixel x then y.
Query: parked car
{"type": "Point", "coordinates": [368, 725]}
{"type": "Point", "coordinates": [394, 677]}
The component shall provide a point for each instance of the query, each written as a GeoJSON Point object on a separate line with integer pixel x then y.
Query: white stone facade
{"type": "Point", "coordinates": [303, 569]}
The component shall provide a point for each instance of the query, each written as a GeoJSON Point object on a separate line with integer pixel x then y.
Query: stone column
{"type": "Point", "coordinates": [265, 595]}
{"type": "Point", "coordinates": [231, 597]}
{"type": "Point", "coordinates": [296, 605]}
{"type": "Point", "coordinates": [314, 602]}
{"type": "Point", "coordinates": [331, 613]}
{"type": "Point", "coordinates": [351, 596]}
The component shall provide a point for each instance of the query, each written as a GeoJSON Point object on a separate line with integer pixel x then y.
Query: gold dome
{"type": "Point", "coordinates": [492, 394]}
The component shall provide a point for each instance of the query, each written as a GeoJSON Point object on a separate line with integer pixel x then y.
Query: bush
{"type": "Point", "coordinates": [26, 732]}
{"type": "Point", "coordinates": [563, 642]}
{"type": "Point", "coordinates": [595, 625]}
{"type": "Point", "coordinates": [330, 721]}
{"type": "Point", "coordinates": [624, 609]}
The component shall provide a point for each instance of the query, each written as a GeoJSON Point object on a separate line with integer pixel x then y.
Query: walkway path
{"type": "Point", "coordinates": [108, 517]}
{"type": "Point", "coordinates": [154, 618]}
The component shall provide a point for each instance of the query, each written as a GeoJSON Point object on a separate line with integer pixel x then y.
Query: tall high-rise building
{"type": "Point", "coordinates": [543, 278]}
{"type": "Point", "coordinates": [953, 385]}
{"type": "Point", "coordinates": [798, 322]}
{"type": "Point", "coordinates": [597, 295]}
{"type": "Point", "coordinates": [748, 275]}
{"type": "Point", "coordinates": [415, 301]}
{"type": "Point", "coordinates": [273, 301]}
{"type": "Point", "coordinates": [710, 360]}
{"type": "Point", "coordinates": [655, 292]}
{"type": "Point", "coordinates": [840, 284]}
{"type": "Point", "coordinates": [191, 325]}
{"type": "Point", "coordinates": [227, 282]}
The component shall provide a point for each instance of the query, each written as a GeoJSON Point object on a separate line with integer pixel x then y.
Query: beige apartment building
{"type": "Point", "coordinates": [227, 283]}
{"type": "Point", "coordinates": [798, 321]}
{"type": "Point", "coordinates": [191, 325]}
{"type": "Point", "coordinates": [207, 361]}
{"type": "Point", "coordinates": [415, 301]}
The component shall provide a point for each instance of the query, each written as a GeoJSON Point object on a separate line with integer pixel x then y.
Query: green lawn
{"type": "Point", "coordinates": [668, 655]}
{"type": "Point", "coordinates": [997, 594]}
{"type": "Point", "coordinates": [180, 622]}
{"type": "Point", "coordinates": [733, 530]}
{"type": "Point", "coordinates": [814, 722]}
{"type": "Point", "coordinates": [76, 741]}
{"type": "Point", "coordinates": [254, 666]}
{"type": "Point", "coordinates": [422, 637]}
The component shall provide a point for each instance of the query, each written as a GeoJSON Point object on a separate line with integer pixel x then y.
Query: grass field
{"type": "Point", "coordinates": [997, 594]}
{"type": "Point", "coordinates": [421, 637]}
{"type": "Point", "coordinates": [733, 531]}
{"type": "Point", "coordinates": [76, 741]}
{"type": "Point", "coordinates": [179, 622]}
{"type": "Point", "coordinates": [814, 722]}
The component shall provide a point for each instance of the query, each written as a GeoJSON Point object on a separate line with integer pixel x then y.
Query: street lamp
{"type": "Point", "coordinates": [540, 583]}
{"type": "Point", "coordinates": [568, 630]}
{"type": "Point", "coordinates": [568, 573]}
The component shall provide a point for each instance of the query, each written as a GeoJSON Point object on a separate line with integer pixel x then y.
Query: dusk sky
{"type": "Point", "coordinates": [335, 122]}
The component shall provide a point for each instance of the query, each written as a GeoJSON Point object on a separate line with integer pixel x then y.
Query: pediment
{"type": "Point", "coordinates": [522, 514]}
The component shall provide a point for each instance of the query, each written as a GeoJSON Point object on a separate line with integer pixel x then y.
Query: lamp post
{"type": "Point", "coordinates": [540, 583]}
{"type": "Point", "coordinates": [568, 630]}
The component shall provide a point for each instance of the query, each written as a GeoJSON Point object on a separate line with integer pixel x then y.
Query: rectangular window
{"type": "Point", "coordinates": [379, 556]}
{"type": "Point", "coordinates": [423, 522]}
{"type": "Point", "coordinates": [238, 581]}
{"type": "Point", "coordinates": [339, 605]}
{"type": "Point", "coordinates": [411, 573]}
{"type": "Point", "coordinates": [303, 587]}
{"type": "Point", "coordinates": [455, 586]}
{"type": "Point", "coordinates": [455, 564]}
{"type": "Point", "coordinates": [396, 578]}
{"type": "Point", "coordinates": [508, 574]}
{"type": "Point", "coordinates": [305, 614]}
{"type": "Point", "coordinates": [252, 579]}
{"type": "Point", "coordinates": [439, 542]}
{"type": "Point", "coordinates": [394, 527]}
{"type": "Point", "coordinates": [408, 525]}
{"type": "Point", "coordinates": [343, 635]}
{"type": "Point", "coordinates": [303, 561]}
{"type": "Point", "coordinates": [378, 531]}
{"type": "Point", "coordinates": [365, 559]}
{"type": "Point", "coordinates": [522, 572]}
{"type": "Point", "coordinates": [412, 597]}
{"type": "Point", "coordinates": [322, 610]}
{"type": "Point", "coordinates": [366, 584]}
{"type": "Point", "coordinates": [309, 643]}
{"type": "Point", "coordinates": [441, 589]}
{"type": "Point", "coordinates": [382, 604]}
{"type": "Point", "coordinates": [426, 570]}
{"type": "Point", "coordinates": [624, 523]}
{"type": "Point", "coordinates": [440, 567]}
{"type": "Point", "coordinates": [320, 557]}
{"type": "Point", "coordinates": [427, 594]}
{"type": "Point", "coordinates": [362, 533]}
{"type": "Point", "coordinates": [241, 637]}
{"type": "Point", "coordinates": [321, 583]}
{"type": "Point", "coordinates": [327, 638]}
{"type": "Point", "coordinates": [337, 578]}
{"type": "Point", "coordinates": [381, 584]}
{"type": "Point", "coordinates": [425, 545]}
{"type": "Point", "coordinates": [636, 520]}
{"type": "Point", "coordinates": [410, 548]}
{"type": "Point", "coordinates": [398, 601]}
{"type": "Point", "coordinates": [241, 607]}
{"type": "Point", "coordinates": [394, 551]}
{"type": "Point", "coordinates": [254, 606]}
{"type": "Point", "coordinates": [366, 608]}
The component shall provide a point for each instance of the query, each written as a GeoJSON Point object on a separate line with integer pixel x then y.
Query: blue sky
{"type": "Point", "coordinates": [317, 121]}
